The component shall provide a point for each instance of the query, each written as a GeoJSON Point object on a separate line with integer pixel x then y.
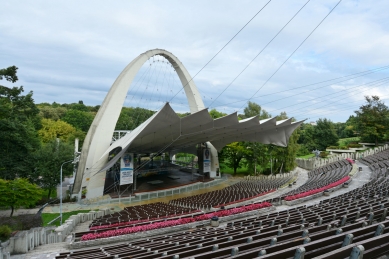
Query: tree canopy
{"type": "Point", "coordinates": [18, 193]}
{"type": "Point", "coordinates": [48, 161]}
{"type": "Point", "coordinates": [372, 120]}
{"type": "Point", "coordinates": [324, 134]}
{"type": "Point", "coordinates": [19, 122]}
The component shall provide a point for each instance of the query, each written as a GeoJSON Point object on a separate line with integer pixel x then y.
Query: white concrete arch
{"type": "Point", "coordinates": [99, 136]}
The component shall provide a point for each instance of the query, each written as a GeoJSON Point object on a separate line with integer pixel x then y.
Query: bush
{"type": "Point", "coordinates": [333, 147]}
{"type": "Point", "coordinates": [353, 145]}
{"type": "Point", "coordinates": [324, 154]}
{"type": "Point", "coordinates": [22, 222]}
{"type": "Point", "coordinates": [5, 233]}
{"type": "Point", "coordinates": [303, 151]}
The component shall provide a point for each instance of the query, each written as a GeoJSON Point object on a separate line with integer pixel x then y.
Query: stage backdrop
{"type": "Point", "coordinates": [127, 169]}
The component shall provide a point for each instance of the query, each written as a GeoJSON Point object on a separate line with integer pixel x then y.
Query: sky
{"type": "Point", "coordinates": [68, 51]}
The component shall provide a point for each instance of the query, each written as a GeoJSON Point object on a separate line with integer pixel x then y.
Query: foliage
{"type": "Point", "coordinates": [244, 170]}
{"type": "Point", "coordinates": [17, 193]}
{"type": "Point", "coordinates": [5, 233]}
{"type": "Point", "coordinates": [48, 161]}
{"type": "Point", "coordinates": [47, 217]}
{"type": "Point", "coordinates": [372, 120]}
{"type": "Point", "coordinates": [344, 130]}
{"type": "Point", "coordinates": [52, 113]}
{"type": "Point", "coordinates": [79, 119]}
{"type": "Point", "coordinates": [306, 138]}
{"type": "Point", "coordinates": [130, 118]}
{"type": "Point", "coordinates": [324, 134]}
{"type": "Point", "coordinates": [352, 145]}
{"type": "Point", "coordinates": [19, 121]}
{"type": "Point", "coordinates": [232, 155]}
{"type": "Point", "coordinates": [306, 156]}
{"type": "Point", "coordinates": [22, 222]}
{"type": "Point", "coordinates": [9, 74]}
{"type": "Point", "coordinates": [324, 154]}
{"type": "Point", "coordinates": [303, 152]}
{"type": "Point", "coordinates": [52, 130]}
{"type": "Point", "coordinates": [18, 140]}
{"type": "Point", "coordinates": [346, 141]}
{"type": "Point", "coordinates": [254, 109]}
{"type": "Point", "coordinates": [318, 137]}
{"type": "Point", "coordinates": [216, 114]}
{"type": "Point", "coordinates": [80, 106]}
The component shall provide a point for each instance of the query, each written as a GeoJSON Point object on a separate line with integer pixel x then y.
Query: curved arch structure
{"type": "Point", "coordinates": [99, 136]}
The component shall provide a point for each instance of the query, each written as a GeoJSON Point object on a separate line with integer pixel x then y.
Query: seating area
{"type": "Point", "coordinates": [376, 161]}
{"type": "Point", "coordinates": [241, 191]}
{"type": "Point", "coordinates": [141, 214]}
{"type": "Point", "coordinates": [355, 222]}
{"type": "Point", "coordinates": [332, 227]}
{"type": "Point", "coordinates": [321, 178]}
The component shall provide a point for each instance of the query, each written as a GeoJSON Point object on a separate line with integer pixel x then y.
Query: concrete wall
{"type": "Point", "coordinates": [313, 163]}
{"type": "Point", "coordinates": [24, 241]}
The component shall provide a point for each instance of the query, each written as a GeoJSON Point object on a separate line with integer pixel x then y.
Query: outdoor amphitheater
{"type": "Point", "coordinates": [338, 210]}
{"type": "Point", "coordinates": [141, 208]}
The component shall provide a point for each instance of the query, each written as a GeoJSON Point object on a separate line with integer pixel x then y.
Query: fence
{"type": "Point", "coordinates": [150, 195]}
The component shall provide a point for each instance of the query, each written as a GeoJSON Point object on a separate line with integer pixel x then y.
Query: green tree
{"type": "Point", "coordinates": [18, 142]}
{"type": "Point", "coordinates": [254, 109]}
{"type": "Point", "coordinates": [324, 134]}
{"type": "Point", "coordinates": [18, 193]}
{"type": "Point", "coordinates": [9, 74]}
{"type": "Point", "coordinates": [48, 160]}
{"type": "Point", "coordinates": [130, 118]}
{"type": "Point", "coordinates": [216, 114]}
{"type": "Point", "coordinates": [80, 106]}
{"type": "Point", "coordinates": [19, 121]}
{"type": "Point", "coordinates": [79, 119]}
{"type": "Point", "coordinates": [58, 129]}
{"type": "Point", "coordinates": [373, 120]}
{"type": "Point", "coordinates": [48, 112]}
{"type": "Point", "coordinates": [232, 155]}
{"type": "Point", "coordinates": [306, 139]}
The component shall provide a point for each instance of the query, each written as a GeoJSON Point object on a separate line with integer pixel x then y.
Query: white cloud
{"type": "Point", "coordinates": [68, 50]}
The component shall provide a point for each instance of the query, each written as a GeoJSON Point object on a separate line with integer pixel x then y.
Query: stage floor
{"type": "Point", "coordinates": [174, 178]}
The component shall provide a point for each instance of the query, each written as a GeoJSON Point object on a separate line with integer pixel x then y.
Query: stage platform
{"type": "Point", "coordinates": [174, 178]}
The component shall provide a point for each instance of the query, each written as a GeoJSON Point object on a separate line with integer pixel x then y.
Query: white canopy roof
{"type": "Point", "coordinates": [166, 131]}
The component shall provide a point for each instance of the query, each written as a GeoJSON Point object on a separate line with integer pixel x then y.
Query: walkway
{"type": "Point", "coordinates": [359, 179]}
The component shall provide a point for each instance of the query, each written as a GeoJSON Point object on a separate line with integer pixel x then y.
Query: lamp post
{"type": "Point", "coordinates": [60, 184]}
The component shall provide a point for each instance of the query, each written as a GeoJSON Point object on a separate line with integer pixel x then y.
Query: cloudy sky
{"type": "Point", "coordinates": [68, 51]}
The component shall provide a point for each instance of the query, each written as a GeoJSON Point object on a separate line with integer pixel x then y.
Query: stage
{"type": "Point", "coordinates": [173, 178]}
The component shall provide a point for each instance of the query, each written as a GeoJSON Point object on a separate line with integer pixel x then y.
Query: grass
{"type": "Point", "coordinates": [345, 141]}
{"type": "Point", "coordinates": [239, 171]}
{"type": "Point", "coordinates": [307, 156]}
{"type": "Point", "coordinates": [52, 195]}
{"type": "Point", "coordinates": [47, 217]}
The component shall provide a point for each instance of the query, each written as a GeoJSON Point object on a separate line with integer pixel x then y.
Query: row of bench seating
{"type": "Point", "coordinates": [240, 191]}
{"type": "Point", "coordinates": [322, 177]}
{"type": "Point", "coordinates": [143, 212]}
